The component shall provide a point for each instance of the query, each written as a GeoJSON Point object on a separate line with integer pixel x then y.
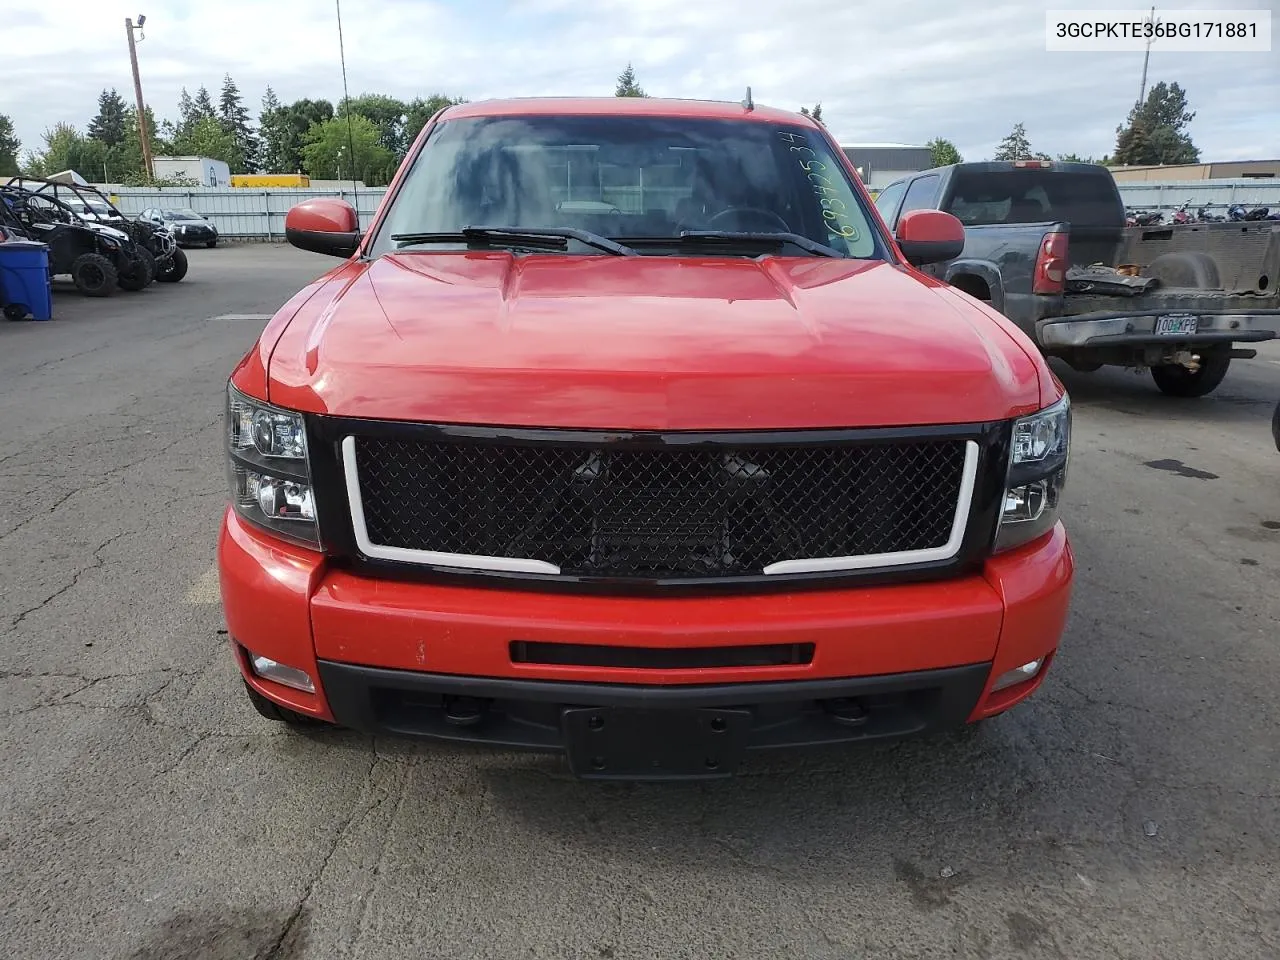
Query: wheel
{"type": "Point", "coordinates": [143, 272]}
{"type": "Point", "coordinates": [173, 269]}
{"type": "Point", "coordinates": [94, 275]}
{"type": "Point", "coordinates": [1177, 381]}
{"type": "Point", "coordinates": [212, 243]}
{"type": "Point", "coordinates": [273, 711]}
{"type": "Point", "coordinates": [1275, 426]}
{"type": "Point", "coordinates": [15, 311]}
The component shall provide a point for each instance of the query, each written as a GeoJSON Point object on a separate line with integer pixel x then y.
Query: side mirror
{"type": "Point", "coordinates": [323, 226]}
{"type": "Point", "coordinates": [929, 236]}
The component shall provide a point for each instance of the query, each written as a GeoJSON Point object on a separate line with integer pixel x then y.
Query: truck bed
{"type": "Point", "coordinates": [1247, 254]}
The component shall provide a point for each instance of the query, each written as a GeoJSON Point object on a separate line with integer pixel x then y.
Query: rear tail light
{"type": "Point", "coordinates": [1051, 265]}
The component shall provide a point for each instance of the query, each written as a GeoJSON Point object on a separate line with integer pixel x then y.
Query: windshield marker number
{"type": "Point", "coordinates": [837, 222]}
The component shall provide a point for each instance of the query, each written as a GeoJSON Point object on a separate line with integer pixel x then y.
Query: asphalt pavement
{"type": "Point", "coordinates": [1131, 809]}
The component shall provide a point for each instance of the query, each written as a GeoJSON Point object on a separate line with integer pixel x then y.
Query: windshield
{"type": "Point", "coordinates": [628, 177]}
{"type": "Point", "coordinates": [182, 215]}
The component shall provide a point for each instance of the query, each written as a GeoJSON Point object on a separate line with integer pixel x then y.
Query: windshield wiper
{"type": "Point", "coordinates": [756, 238]}
{"type": "Point", "coordinates": [545, 238]}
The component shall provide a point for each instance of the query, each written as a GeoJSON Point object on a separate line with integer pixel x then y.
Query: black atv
{"type": "Point", "coordinates": [97, 257]}
{"type": "Point", "coordinates": [92, 205]}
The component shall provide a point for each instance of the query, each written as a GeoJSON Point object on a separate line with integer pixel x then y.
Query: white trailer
{"type": "Point", "coordinates": [203, 170]}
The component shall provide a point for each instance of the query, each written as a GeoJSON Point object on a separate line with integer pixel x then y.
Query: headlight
{"type": "Point", "coordinates": [1038, 455]}
{"type": "Point", "coordinates": [268, 470]}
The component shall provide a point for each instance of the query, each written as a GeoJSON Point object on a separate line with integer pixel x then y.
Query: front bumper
{"type": "Point", "coordinates": [444, 661]}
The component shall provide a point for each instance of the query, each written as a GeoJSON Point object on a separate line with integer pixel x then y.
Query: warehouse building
{"type": "Point", "coordinates": [879, 164]}
{"type": "Point", "coordinates": [1180, 172]}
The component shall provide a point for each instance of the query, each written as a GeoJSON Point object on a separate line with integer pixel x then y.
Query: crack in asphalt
{"type": "Point", "coordinates": [274, 952]}
{"type": "Point", "coordinates": [43, 513]}
{"type": "Point", "coordinates": [96, 563]}
{"type": "Point", "coordinates": [186, 752]}
{"type": "Point", "coordinates": [401, 792]}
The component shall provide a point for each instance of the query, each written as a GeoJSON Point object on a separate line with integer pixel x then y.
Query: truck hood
{"type": "Point", "coordinates": [646, 343]}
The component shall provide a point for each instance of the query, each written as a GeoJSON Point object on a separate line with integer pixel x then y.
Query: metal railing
{"type": "Point", "coordinates": [1214, 195]}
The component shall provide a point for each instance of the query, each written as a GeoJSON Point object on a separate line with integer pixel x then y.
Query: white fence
{"type": "Point", "coordinates": [259, 213]}
{"type": "Point", "coordinates": [256, 214]}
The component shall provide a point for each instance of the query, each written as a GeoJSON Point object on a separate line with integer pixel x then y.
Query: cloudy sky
{"type": "Point", "coordinates": [904, 71]}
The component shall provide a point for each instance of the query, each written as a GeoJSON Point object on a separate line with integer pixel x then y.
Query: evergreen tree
{"type": "Point", "coordinates": [202, 105]}
{"type": "Point", "coordinates": [9, 147]}
{"type": "Point", "coordinates": [815, 114]}
{"type": "Point", "coordinates": [627, 85]}
{"type": "Point", "coordinates": [108, 126]}
{"type": "Point", "coordinates": [273, 136]}
{"type": "Point", "coordinates": [186, 114]}
{"type": "Point", "coordinates": [1155, 132]}
{"type": "Point", "coordinates": [234, 117]}
{"type": "Point", "coordinates": [1016, 146]}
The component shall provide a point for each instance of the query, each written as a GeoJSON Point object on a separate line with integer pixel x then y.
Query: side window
{"type": "Point", "coordinates": [922, 195]}
{"type": "Point", "coordinates": [887, 202]}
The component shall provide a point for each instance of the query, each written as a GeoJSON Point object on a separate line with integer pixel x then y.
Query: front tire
{"type": "Point", "coordinates": [94, 275]}
{"type": "Point", "coordinates": [143, 272]}
{"type": "Point", "coordinates": [1177, 381]}
{"type": "Point", "coordinates": [173, 269]}
{"type": "Point", "coordinates": [212, 243]}
{"type": "Point", "coordinates": [273, 711]}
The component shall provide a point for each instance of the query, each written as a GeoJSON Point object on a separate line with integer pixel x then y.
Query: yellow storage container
{"type": "Point", "coordinates": [270, 180]}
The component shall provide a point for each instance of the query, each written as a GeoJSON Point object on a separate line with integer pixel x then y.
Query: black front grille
{"type": "Point", "coordinates": [694, 511]}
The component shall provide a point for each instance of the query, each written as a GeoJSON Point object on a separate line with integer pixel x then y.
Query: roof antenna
{"type": "Point", "coordinates": [748, 103]}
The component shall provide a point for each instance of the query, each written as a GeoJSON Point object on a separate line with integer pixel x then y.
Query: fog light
{"type": "Point", "coordinates": [269, 669]}
{"type": "Point", "coordinates": [1018, 675]}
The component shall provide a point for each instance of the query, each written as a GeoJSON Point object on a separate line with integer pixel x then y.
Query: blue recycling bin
{"type": "Point", "coordinates": [24, 279]}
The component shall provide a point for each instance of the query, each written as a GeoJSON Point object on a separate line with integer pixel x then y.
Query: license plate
{"type": "Point", "coordinates": [1177, 324]}
{"type": "Point", "coordinates": [606, 744]}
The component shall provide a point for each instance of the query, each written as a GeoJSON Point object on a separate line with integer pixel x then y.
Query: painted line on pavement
{"type": "Point", "coordinates": [258, 317]}
{"type": "Point", "coordinates": [205, 590]}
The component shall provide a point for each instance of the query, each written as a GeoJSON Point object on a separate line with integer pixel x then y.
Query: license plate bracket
{"type": "Point", "coordinates": [1177, 324]}
{"type": "Point", "coordinates": [637, 744]}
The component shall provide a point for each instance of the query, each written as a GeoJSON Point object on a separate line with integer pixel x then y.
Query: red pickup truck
{"type": "Point", "coordinates": [627, 430]}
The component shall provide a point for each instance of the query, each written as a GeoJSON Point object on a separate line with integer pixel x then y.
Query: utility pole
{"type": "Point", "coordinates": [137, 89]}
{"type": "Point", "coordinates": [1142, 91]}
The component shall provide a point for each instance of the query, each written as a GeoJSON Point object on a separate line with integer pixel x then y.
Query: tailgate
{"type": "Point", "coordinates": [1247, 254]}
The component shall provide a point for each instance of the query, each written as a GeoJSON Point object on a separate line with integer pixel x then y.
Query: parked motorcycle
{"type": "Point", "coordinates": [1180, 214]}
{"type": "Point", "coordinates": [1236, 213]}
{"type": "Point", "coordinates": [1204, 216]}
{"type": "Point", "coordinates": [1143, 218]}
{"type": "Point", "coordinates": [1257, 213]}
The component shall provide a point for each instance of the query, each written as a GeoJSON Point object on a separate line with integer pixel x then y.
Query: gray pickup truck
{"type": "Point", "coordinates": [1046, 244]}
